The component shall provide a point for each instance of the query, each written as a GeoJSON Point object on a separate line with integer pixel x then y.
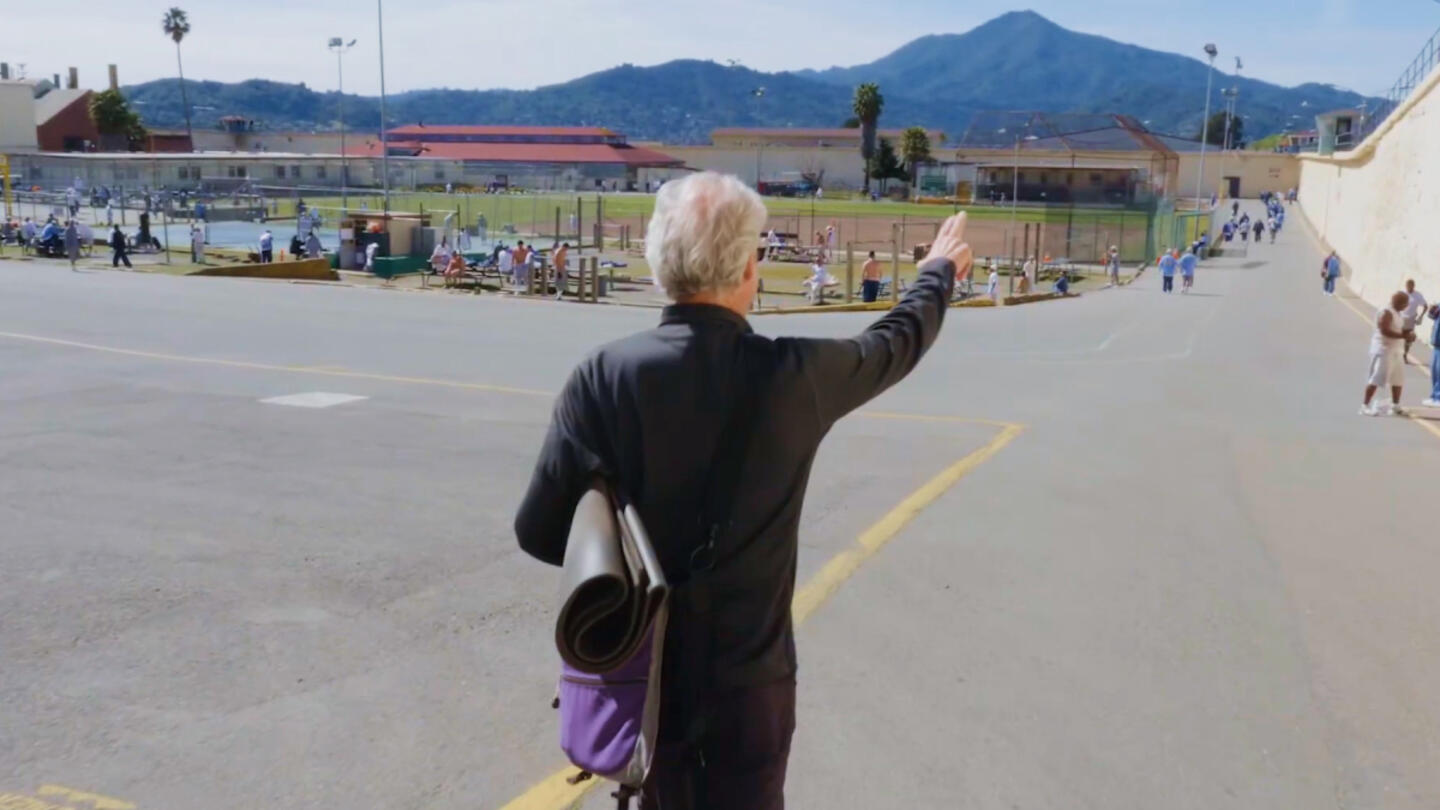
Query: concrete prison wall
{"type": "Point", "coordinates": [1379, 205]}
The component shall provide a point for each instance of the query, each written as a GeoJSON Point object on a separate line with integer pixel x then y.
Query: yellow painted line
{"type": "Point", "coordinates": [840, 567]}
{"type": "Point", "coordinates": [554, 793]}
{"type": "Point", "coordinates": [15, 801]}
{"type": "Point", "coordinates": [74, 796]}
{"type": "Point", "coordinates": [1425, 423]}
{"type": "Point", "coordinates": [339, 371]}
{"type": "Point", "coordinates": [1366, 318]}
{"type": "Point", "coordinates": [319, 370]}
{"type": "Point", "coordinates": [925, 417]}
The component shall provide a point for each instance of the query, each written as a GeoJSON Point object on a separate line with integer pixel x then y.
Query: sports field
{"type": "Point", "coordinates": [1078, 233]}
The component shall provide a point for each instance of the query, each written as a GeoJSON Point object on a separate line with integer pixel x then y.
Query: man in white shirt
{"type": "Point", "coordinates": [1387, 357]}
{"type": "Point", "coordinates": [506, 264]}
{"type": "Point", "coordinates": [992, 287]}
{"type": "Point", "coordinates": [197, 244]}
{"type": "Point", "coordinates": [371, 251]}
{"type": "Point", "coordinates": [1414, 310]}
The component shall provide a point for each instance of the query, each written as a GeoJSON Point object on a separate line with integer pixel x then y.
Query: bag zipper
{"type": "Point", "coordinates": [600, 682]}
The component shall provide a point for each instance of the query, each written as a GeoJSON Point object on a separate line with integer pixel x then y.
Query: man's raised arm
{"type": "Point", "coordinates": [847, 373]}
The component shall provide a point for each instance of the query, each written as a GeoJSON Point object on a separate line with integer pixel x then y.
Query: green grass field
{"type": "Point", "coordinates": [636, 207]}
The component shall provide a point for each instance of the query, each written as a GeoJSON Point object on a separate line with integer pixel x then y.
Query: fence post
{"type": "Point", "coordinates": [894, 262]}
{"type": "Point", "coordinates": [1025, 254]}
{"type": "Point", "coordinates": [595, 280]}
{"type": "Point", "coordinates": [849, 272]}
{"type": "Point", "coordinates": [557, 227]}
{"type": "Point", "coordinates": [584, 268]}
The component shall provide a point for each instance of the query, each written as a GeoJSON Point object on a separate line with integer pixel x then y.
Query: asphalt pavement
{"type": "Point", "coordinates": [256, 552]}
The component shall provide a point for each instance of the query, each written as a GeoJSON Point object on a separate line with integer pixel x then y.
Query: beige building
{"type": "Point", "coordinates": [760, 155]}
{"type": "Point", "coordinates": [1119, 162]}
{"type": "Point", "coordinates": [1238, 173]}
{"type": "Point", "coordinates": [17, 116]}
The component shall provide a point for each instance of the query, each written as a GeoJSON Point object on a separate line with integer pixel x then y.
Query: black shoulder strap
{"type": "Point", "coordinates": [694, 598]}
{"type": "Point", "coordinates": [726, 465]}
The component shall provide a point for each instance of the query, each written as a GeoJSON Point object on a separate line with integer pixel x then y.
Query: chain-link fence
{"type": "Point", "coordinates": [237, 209]}
{"type": "Point", "coordinates": [1410, 78]}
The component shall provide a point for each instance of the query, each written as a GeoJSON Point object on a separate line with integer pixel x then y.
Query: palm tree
{"type": "Point", "coordinates": [176, 25]}
{"type": "Point", "coordinates": [867, 106]}
{"type": "Point", "coordinates": [915, 149]}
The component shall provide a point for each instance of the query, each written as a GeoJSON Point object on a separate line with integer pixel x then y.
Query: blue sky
{"type": "Point", "coordinates": [525, 43]}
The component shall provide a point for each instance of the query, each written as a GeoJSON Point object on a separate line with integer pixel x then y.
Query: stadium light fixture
{"type": "Point", "coordinates": [384, 141]}
{"type": "Point", "coordinates": [340, 46]}
{"type": "Point", "coordinates": [1212, 52]}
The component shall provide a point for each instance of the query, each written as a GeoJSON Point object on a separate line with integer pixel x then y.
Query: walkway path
{"type": "Point", "coordinates": [1194, 580]}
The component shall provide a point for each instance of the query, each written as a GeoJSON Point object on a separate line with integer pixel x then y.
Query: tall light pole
{"type": "Point", "coordinates": [1015, 198]}
{"type": "Point", "coordinates": [340, 46]}
{"type": "Point", "coordinates": [384, 144]}
{"type": "Point", "coordinates": [1205, 126]}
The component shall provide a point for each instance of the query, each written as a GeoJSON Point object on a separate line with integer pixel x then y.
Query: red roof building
{"type": "Point", "coordinates": [574, 146]}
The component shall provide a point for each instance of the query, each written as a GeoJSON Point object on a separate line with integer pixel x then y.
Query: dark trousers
{"type": "Point", "coordinates": [746, 749]}
{"type": "Point", "coordinates": [1329, 284]}
{"type": "Point", "coordinates": [267, 256]}
{"type": "Point", "coordinates": [118, 256]}
{"type": "Point", "coordinates": [869, 291]}
{"type": "Point", "coordinates": [1168, 283]}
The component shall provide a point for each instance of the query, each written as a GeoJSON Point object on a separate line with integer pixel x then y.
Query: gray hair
{"type": "Point", "coordinates": [705, 229]}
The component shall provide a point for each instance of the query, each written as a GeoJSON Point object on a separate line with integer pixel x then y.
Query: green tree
{"type": "Point", "coordinates": [915, 149]}
{"type": "Point", "coordinates": [112, 116]}
{"type": "Point", "coordinates": [1214, 133]}
{"type": "Point", "coordinates": [885, 165]}
{"type": "Point", "coordinates": [867, 105]}
{"type": "Point", "coordinates": [176, 25]}
{"type": "Point", "coordinates": [851, 123]}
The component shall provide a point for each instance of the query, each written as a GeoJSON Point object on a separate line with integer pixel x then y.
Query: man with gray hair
{"type": "Point", "coordinates": [646, 413]}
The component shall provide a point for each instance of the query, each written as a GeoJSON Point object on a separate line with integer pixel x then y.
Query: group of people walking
{"type": "Point", "coordinates": [1243, 226]}
{"type": "Point", "coordinates": [1172, 260]}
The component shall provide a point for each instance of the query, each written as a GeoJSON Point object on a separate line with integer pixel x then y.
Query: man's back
{"type": "Point", "coordinates": [647, 411]}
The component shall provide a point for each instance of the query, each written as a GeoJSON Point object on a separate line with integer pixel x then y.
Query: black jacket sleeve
{"type": "Point", "coordinates": [847, 373]}
{"type": "Point", "coordinates": [567, 463]}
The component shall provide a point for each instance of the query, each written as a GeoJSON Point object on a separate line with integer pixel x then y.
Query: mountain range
{"type": "Point", "coordinates": [1017, 61]}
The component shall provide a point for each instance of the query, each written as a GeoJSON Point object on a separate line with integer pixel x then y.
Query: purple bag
{"type": "Point", "coordinates": [608, 723]}
{"type": "Point", "coordinates": [615, 607]}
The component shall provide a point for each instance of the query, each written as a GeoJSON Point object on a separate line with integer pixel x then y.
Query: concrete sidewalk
{"type": "Point", "coordinates": [1195, 580]}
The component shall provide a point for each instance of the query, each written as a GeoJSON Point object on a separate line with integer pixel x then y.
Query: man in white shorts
{"type": "Point", "coordinates": [1387, 356]}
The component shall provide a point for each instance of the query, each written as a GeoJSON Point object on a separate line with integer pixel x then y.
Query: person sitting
{"type": "Point", "coordinates": [819, 279]}
{"type": "Point", "coordinates": [50, 239]}
{"type": "Point", "coordinates": [440, 257]}
{"type": "Point", "coordinates": [454, 268]}
{"type": "Point", "coordinates": [1062, 284]}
